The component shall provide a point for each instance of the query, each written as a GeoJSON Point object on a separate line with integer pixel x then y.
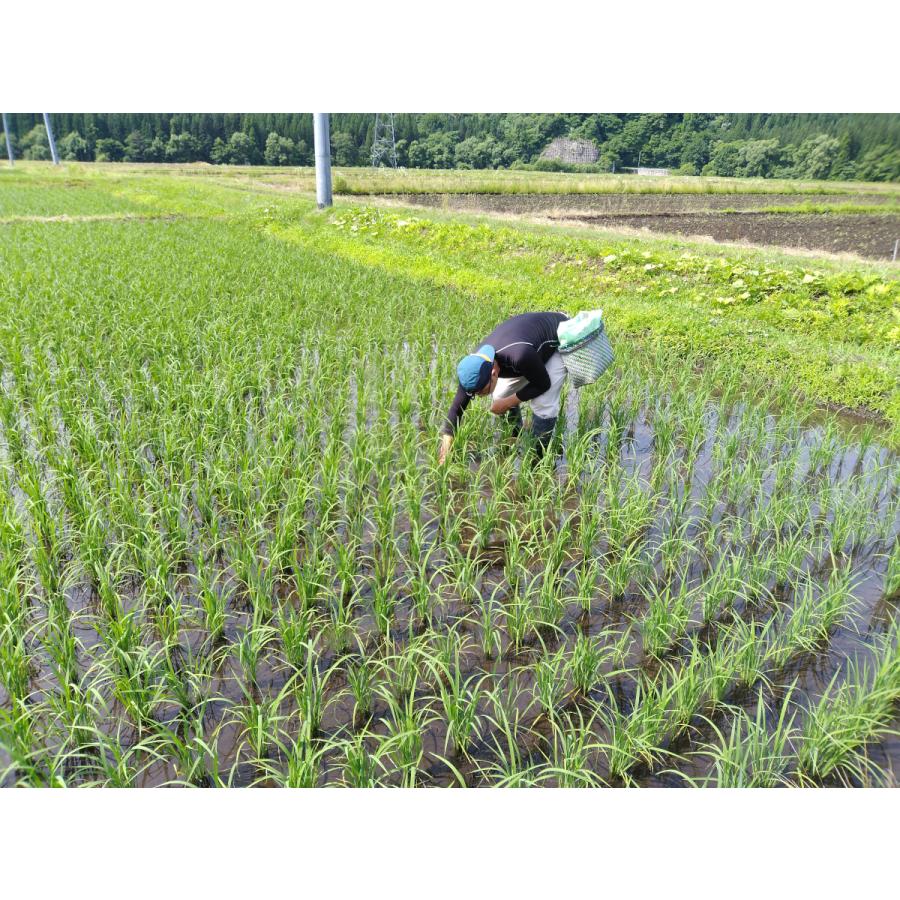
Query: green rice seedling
{"type": "Point", "coordinates": [404, 726]}
{"type": "Point", "coordinates": [550, 681]}
{"type": "Point", "coordinates": [752, 753]}
{"type": "Point", "coordinates": [813, 617]}
{"type": "Point", "coordinates": [212, 602]}
{"type": "Point", "coordinates": [252, 647]}
{"type": "Point", "coordinates": [673, 547]}
{"type": "Point", "coordinates": [259, 719]}
{"type": "Point", "coordinates": [700, 683]}
{"type": "Point", "coordinates": [787, 557]}
{"type": "Point", "coordinates": [798, 631]}
{"type": "Point", "coordinates": [421, 585]}
{"type": "Point", "coordinates": [490, 634]}
{"type": "Point", "coordinates": [628, 512]}
{"type": "Point", "coordinates": [841, 526]}
{"type": "Point", "coordinates": [587, 577]}
{"type": "Point", "coordinates": [360, 768]}
{"type": "Point", "coordinates": [190, 752]}
{"type": "Point", "coordinates": [637, 736]}
{"type": "Point", "coordinates": [121, 764]}
{"type": "Point", "coordinates": [304, 760]}
{"type": "Point", "coordinates": [551, 606]}
{"type": "Point", "coordinates": [584, 664]}
{"type": "Point", "coordinates": [341, 624]}
{"type": "Point", "coordinates": [835, 600]}
{"type": "Point", "coordinates": [361, 681]}
{"type": "Point", "coordinates": [747, 644]}
{"type": "Point", "coordinates": [296, 631]}
{"type": "Point", "coordinates": [722, 587]}
{"type": "Point", "coordinates": [308, 689]}
{"type": "Point", "coordinates": [466, 572]}
{"type": "Point", "coordinates": [850, 714]}
{"type": "Point", "coordinates": [459, 700]}
{"type": "Point", "coordinates": [132, 671]}
{"type": "Point", "coordinates": [667, 617]}
{"type": "Point", "coordinates": [573, 746]}
{"type": "Point", "coordinates": [384, 604]}
{"type": "Point", "coordinates": [520, 617]}
{"type": "Point", "coordinates": [625, 567]}
{"type": "Point", "coordinates": [15, 663]}
{"type": "Point", "coordinates": [509, 766]}
{"type": "Point", "coordinates": [590, 526]}
{"type": "Point", "coordinates": [21, 741]}
{"type": "Point", "coordinates": [892, 574]}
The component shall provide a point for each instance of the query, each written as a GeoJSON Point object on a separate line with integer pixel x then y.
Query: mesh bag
{"type": "Point", "coordinates": [587, 360]}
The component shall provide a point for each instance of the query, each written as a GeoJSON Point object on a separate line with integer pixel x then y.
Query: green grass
{"type": "Point", "coordinates": [228, 555]}
{"type": "Point", "coordinates": [830, 330]}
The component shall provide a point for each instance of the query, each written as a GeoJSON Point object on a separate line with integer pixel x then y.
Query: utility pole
{"type": "Point", "coordinates": [53, 152]}
{"type": "Point", "coordinates": [9, 152]}
{"type": "Point", "coordinates": [322, 142]}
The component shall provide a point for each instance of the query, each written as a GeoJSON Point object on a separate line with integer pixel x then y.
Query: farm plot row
{"type": "Point", "coordinates": [229, 556]}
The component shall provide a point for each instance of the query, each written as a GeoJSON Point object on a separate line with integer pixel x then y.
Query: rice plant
{"type": "Point", "coordinates": [229, 554]}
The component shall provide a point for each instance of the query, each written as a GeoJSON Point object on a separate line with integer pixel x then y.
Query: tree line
{"type": "Point", "coordinates": [829, 146]}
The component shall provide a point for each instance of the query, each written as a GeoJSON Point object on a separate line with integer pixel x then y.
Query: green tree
{"type": "Point", "coordinates": [156, 151]}
{"type": "Point", "coordinates": [759, 158]}
{"type": "Point", "coordinates": [280, 151]}
{"type": "Point", "coordinates": [182, 147]}
{"type": "Point", "coordinates": [816, 157]}
{"type": "Point", "coordinates": [881, 163]}
{"type": "Point", "coordinates": [15, 145]}
{"type": "Point", "coordinates": [136, 146]}
{"type": "Point", "coordinates": [219, 152]}
{"type": "Point", "coordinates": [109, 150]}
{"type": "Point", "coordinates": [242, 149]}
{"type": "Point", "coordinates": [479, 153]}
{"type": "Point", "coordinates": [35, 144]}
{"type": "Point", "coordinates": [343, 148]}
{"type": "Point", "coordinates": [74, 147]}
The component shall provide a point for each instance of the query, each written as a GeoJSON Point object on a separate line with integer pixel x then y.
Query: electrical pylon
{"type": "Point", "coordinates": [384, 143]}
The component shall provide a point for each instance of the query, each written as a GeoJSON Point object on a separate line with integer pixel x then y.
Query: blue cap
{"type": "Point", "coordinates": [474, 370]}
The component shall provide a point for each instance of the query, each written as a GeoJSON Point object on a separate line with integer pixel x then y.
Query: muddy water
{"type": "Point", "coordinates": [510, 669]}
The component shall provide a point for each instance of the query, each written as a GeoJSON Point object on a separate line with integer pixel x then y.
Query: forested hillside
{"type": "Point", "coordinates": [835, 146]}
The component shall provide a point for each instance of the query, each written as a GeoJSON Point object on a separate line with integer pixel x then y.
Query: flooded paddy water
{"type": "Point", "coordinates": [684, 593]}
{"type": "Point", "coordinates": [228, 555]}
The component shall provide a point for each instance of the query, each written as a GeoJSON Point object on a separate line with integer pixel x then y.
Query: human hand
{"type": "Point", "coordinates": [446, 441]}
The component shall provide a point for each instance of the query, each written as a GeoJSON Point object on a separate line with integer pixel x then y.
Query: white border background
{"type": "Point", "coordinates": [460, 57]}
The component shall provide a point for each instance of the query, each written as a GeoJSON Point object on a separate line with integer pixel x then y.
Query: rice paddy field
{"type": "Point", "coordinates": [229, 557]}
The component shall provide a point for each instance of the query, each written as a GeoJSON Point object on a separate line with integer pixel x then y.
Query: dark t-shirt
{"type": "Point", "coordinates": [522, 346]}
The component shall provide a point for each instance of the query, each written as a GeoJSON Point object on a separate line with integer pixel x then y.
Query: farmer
{"type": "Point", "coordinates": [517, 363]}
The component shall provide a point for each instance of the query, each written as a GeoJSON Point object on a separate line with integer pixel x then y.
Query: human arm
{"type": "Point", "coordinates": [498, 407]}
{"type": "Point", "coordinates": [451, 423]}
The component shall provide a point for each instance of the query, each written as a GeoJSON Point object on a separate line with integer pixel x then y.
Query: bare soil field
{"type": "Point", "coordinates": [870, 236]}
{"type": "Point", "coordinates": [624, 203]}
{"type": "Point", "coordinates": [867, 235]}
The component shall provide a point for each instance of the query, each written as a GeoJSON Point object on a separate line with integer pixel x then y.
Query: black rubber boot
{"type": "Point", "coordinates": [514, 420]}
{"type": "Point", "coordinates": [542, 434]}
